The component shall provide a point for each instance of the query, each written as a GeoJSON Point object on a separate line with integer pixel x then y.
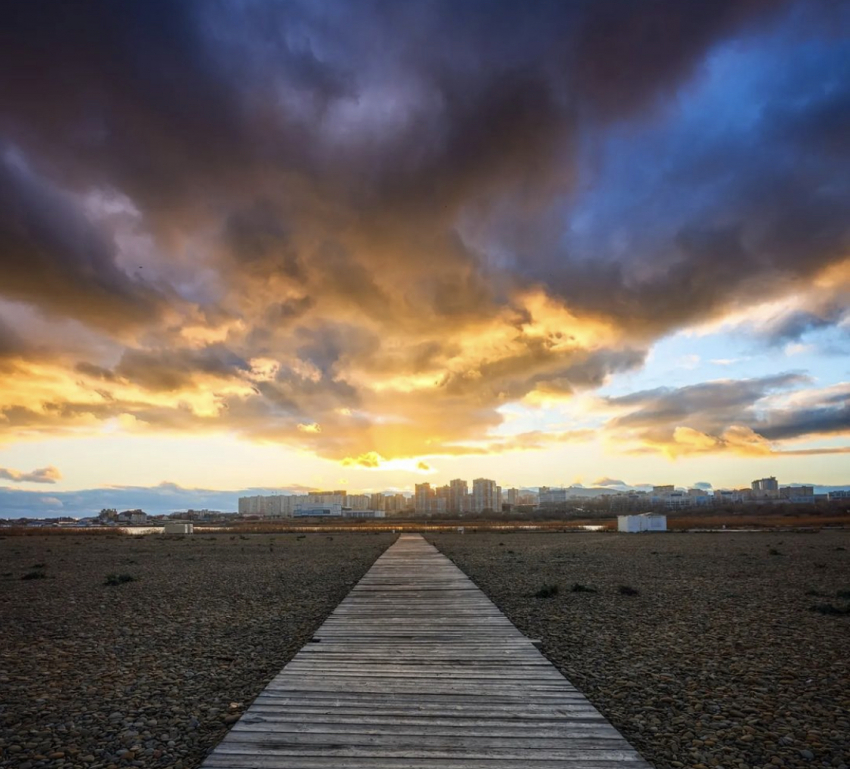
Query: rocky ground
{"type": "Point", "coordinates": [717, 659]}
{"type": "Point", "coordinates": [151, 672]}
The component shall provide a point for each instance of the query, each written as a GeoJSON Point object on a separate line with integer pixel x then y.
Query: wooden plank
{"type": "Point", "coordinates": [417, 668]}
{"type": "Point", "coordinates": [372, 724]}
{"type": "Point", "coordinates": [249, 761]}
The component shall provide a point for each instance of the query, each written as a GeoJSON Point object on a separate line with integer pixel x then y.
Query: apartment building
{"type": "Point", "coordinates": [486, 495]}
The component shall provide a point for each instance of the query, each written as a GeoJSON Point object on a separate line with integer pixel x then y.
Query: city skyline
{"type": "Point", "coordinates": [168, 497]}
{"type": "Point", "coordinates": [374, 245]}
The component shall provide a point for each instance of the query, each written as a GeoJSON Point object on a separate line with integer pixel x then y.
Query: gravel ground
{"type": "Point", "coordinates": [151, 672]}
{"type": "Point", "coordinates": [718, 661]}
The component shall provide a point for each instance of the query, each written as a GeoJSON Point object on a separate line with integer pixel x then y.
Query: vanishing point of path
{"type": "Point", "coordinates": [418, 668]}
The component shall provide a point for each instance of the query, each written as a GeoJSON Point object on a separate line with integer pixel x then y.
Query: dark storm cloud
{"type": "Point", "coordinates": [51, 255]}
{"type": "Point", "coordinates": [538, 365]}
{"type": "Point", "coordinates": [117, 92]}
{"type": "Point", "coordinates": [627, 51]}
{"type": "Point", "coordinates": [11, 344]}
{"type": "Point", "coordinates": [794, 325]}
{"type": "Point", "coordinates": [288, 311]}
{"type": "Point", "coordinates": [325, 347]}
{"type": "Point", "coordinates": [356, 191]}
{"type": "Point", "coordinates": [95, 372]}
{"type": "Point", "coordinates": [170, 370]}
{"type": "Point", "coordinates": [160, 100]}
{"type": "Point", "coordinates": [195, 105]}
{"type": "Point", "coordinates": [824, 419]}
{"type": "Point", "coordinates": [715, 401]}
{"type": "Point", "coordinates": [731, 414]}
{"type": "Point", "coordinates": [731, 205]}
{"type": "Point", "coordinates": [258, 240]}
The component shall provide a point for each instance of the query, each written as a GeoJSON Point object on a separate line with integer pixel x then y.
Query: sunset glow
{"type": "Point", "coordinates": [313, 244]}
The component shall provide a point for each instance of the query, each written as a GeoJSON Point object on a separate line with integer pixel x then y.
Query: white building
{"type": "Point", "coordinates": [486, 495]}
{"type": "Point", "coordinates": [423, 498]}
{"type": "Point", "coordinates": [633, 524]}
{"type": "Point", "coordinates": [458, 493]}
{"type": "Point", "coordinates": [309, 509]}
{"type": "Point", "coordinates": [766, 488]}
{"type": "Point", "coordinates": [178, 527]}
{"type": "Point", "coordinates": [359, 502]}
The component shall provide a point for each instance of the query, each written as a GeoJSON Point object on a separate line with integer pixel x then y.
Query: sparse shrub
{"type": "Point", "coordinates": [830, 609]}
{"type": "Point", "coordinates": [39, 566]}
{"type": "Point", "coordinates": [34, 575]}
{"type": "Point", "coordinates": [626, 590]}
{"type": "Point", "coordinates": [118, 579]}
{"type": "Point", "coordinates": [843, 593]}
{"type": "Point", "coordinates": [301, 536]}
{"type": "Point", "coordinates": [578, 588]}
{"type": "Point", "coordinates": [547, 591]}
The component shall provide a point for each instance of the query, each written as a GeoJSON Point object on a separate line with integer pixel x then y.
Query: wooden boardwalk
{"type": "Point", "coordinates": [417, 668]}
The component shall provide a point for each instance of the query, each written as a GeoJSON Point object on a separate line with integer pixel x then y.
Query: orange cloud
{"type": "Point", "coordinates": [42, 475]}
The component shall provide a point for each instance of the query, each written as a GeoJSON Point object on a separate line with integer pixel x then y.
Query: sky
{"type": "Point", "coordinates": [293, 245]}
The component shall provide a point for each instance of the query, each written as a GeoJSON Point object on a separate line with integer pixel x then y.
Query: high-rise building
{"type": "Point", "coordinates": [798, 493]}
{"type": "Point", "coordinates": [271, 506]}
{"type": "Point", "coordinates": [422, 498]}
{"type": "Point", "coordinates": [358, 501]}
{"type": "Point", "coordinates": [327, 498]}
{"type": "Point", "coordinates": [395, 503]}
{"type": "Point", "coordinates": [458, 492]}
{"type": "Point", "coordinates": [486, 495]}
{"type": "Point", "coordinates": [766, 488]}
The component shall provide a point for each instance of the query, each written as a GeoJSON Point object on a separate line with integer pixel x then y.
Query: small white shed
{"type": "Point", "coordinates": [632, 524]}
{"type": "Point", "coordinates": [178, 527]}
{"type": "Point", "coordinates": [628, 523]}
{"type": "Point", "coordinates": [654, 522]}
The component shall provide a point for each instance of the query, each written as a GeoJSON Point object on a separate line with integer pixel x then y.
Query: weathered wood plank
{"type": "Point", "coordinates": [417, 668]}
{"type": "Point", "coordinates": [248, 761]}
